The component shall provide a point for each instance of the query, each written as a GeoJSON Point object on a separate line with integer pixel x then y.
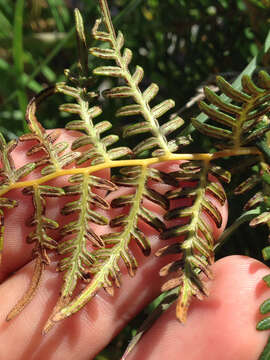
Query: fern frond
{"type": "Point", "coordinates": [78, 259]}
{"type": "Point", "coordinates": [261, 199]}
{"type": "Point", "coordinates": [9, 175]}
{"type": "Point", "coordinates": [122, 58]}
{"type": "Point", "coordinates": [195, 243]}
{"type": "Point", "coordinates": [52, 161]}
{"type": "Point", "coordinates": [98, 152]}
{"type": "Point", "coordinates": [242, 122]}
{"type": "Point", "coordinates": [192, 205]}
{"type": "Point", "coordinates": [8, 172]}
{"type": "Point", "coordinates": [106, 268]}
{"type": "Point", "coordinates": [43, 241]}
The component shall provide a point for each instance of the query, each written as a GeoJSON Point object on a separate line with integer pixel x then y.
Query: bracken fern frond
{"type": "Point", "coordinates": [122, 59]}
{"type": "Point", "coordinates": [242, 119]}
{"type": "Point", "coordinates": [195, 240]}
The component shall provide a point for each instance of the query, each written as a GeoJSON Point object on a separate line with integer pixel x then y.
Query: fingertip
{"type": "Point", "coordinates": [222, 326]}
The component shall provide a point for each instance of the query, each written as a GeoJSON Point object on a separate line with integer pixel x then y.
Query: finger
{"type": "Point", "coordinates": [222, 327]}
{"type": "Point", "coordinates": [16, 251]}
{"type": "Point", "coordinates": [83, 335]}
{"type": "Point", "coordinates": [93, 327]}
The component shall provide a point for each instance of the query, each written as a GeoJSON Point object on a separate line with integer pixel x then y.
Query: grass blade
{"type": "Point", "coordinates": [18, 55]}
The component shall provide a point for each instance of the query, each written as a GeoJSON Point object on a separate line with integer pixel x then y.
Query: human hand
{"type": "Point", "coordinates": [223, 326]}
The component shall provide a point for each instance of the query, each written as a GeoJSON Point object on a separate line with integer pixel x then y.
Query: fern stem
{"type": "Point", "coordinates": [108, 20]}
{"type": "Point", "coordinates": [79, 244]}
{"type": "Point", "coordinates": [132, 162]}
{"type": "Point", "coordinates": [242, 119]}
{"type": "Point", "coordinates": [90, 128]}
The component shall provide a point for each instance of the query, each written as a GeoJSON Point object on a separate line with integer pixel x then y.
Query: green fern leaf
{"type": "Point", "coordinates": [98, 152]}
{"type": "Point", "coordinates": [241, 119]}
{"type": "Point", "coordinates": [105, 268]}
{"type": "Point", "coordinates": [78, 258]}
{"type": "Point", "coordinates": [142, 99]}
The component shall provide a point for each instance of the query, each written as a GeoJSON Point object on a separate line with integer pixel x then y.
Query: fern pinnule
{"type": "Point", "coordinates": [264, 324]}
{"type": "Point", "coordinates": [261, 199]}
{"type": "Point", "coordinates": [242, 119]}
{"type": "Point", "coordinates": [106, 266]}
{"type": "Point", "coordinates": [9, 175]}
{"type": "Point", "coordinates": [91, 133]}
{"type": "Point", "coordinates": [195, 244]}
{"type": "Point", "coordinates": [80, 91]}
{"type": "Point", "coordinates": [8, 172]}
{"type": "Point", "coordinates": [52, 161]}
{"type": "Point", "coordinates": [122, 59]}
{"type": "Point", "coordinates": [43, 241]}
{"type": "Point", "coordinates": [76, 234]}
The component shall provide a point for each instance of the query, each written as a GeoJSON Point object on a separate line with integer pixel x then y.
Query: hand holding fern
{"type": "Point", "coordinates": [223, 326]}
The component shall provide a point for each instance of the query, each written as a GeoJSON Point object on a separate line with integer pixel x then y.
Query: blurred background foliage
{"type": "Point", "coordinates": [181, 44]}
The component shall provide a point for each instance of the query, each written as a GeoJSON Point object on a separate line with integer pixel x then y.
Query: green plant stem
{"type": "Point", "coordinates": [247, 216]}
{"type": "Point", "coordinates": [18, 56]}
{"type": "Point", "coordinates": [46, 61]}
{"type": "Point", "coordinates": [56, 15]}
{"type": "Point", "coordinates": [126, 11]}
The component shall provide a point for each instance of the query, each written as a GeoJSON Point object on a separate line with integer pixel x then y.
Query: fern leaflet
{"type": "Point", "coordinates": [242, 119]}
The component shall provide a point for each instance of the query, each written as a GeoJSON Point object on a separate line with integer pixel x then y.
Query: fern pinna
{"type": "Point", "coordinates": [193, 195]}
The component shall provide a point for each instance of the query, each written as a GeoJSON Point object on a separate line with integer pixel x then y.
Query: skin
{"type": "Point", "coordinates": [222, 327]}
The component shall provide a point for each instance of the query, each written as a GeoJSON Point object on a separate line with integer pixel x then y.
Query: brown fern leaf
{"type": "Point", "coordinates": [51, 158]}
{"type": "Point", "coordinates": [39, 236]}
{"type": "Point", "coordinates": [194, 238]}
